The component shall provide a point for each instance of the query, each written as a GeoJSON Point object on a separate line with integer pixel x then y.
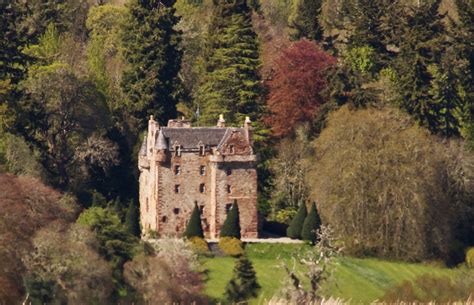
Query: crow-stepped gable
{"type": "Point", "coordinates": [213, 167]}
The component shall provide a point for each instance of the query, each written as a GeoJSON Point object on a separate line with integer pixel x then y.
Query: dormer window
{"type": "Point", "coordinates": [231, 149]}
{"type": "Point", "coordinates": [202, 150]}
{"type": "Point", "coordinates": [177, 150]}
{"type": "Point", "coordinates": [177, 170]}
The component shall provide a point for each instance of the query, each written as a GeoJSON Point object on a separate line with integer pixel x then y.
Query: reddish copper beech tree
{"type": "Point", "coordinates": [295, 91]}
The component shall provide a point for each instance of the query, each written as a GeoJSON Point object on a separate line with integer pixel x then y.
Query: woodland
{"type": "Point", "coordinates": [363, 121]}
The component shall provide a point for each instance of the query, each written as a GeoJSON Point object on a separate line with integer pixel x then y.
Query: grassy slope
{"type": "Point", "coordinates": [359, 280]}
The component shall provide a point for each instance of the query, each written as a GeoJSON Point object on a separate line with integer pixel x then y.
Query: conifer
{"type": "Point", "coordinates": [152, 51]}
{"type": "Point", "coordinates": [132, 219]}
{"type": "Point", "coordinates": [311, 224]}
{"type": "Point", "coordinates": [296, 224]}
{"type": "Point", "coordinates": [303, 20]}
{"type": "Point", "coordinates": [194, 227]}
{"type": "Point", "coordinates": [243, 284]}
{"type": "Point", "coordinates": [231, 226]}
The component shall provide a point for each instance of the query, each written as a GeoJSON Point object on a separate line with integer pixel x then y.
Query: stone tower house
{"type": "Point", "coordinates": [181, 166]}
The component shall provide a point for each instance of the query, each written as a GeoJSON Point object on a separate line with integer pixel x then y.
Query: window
{"type": "Point", "coordinates": [201, 209]}
{"type": "Point", "coordinates": [202, 170]}
{"type": "Point", "coordinates": [229, 171]}
{"type": "Point", "coordinates": [231, 149]}
{"type": "Point", "coordinates": [228, 207]}
{"type": "Point", "coordinates": [177, 170]}
{"type": "Point", "coordinates": [229, 189]}
{"type": "Point", "coordinates": [147, 206]}
{"type": "Point", "coordinates": [163, 219]}
{"type": "Point", "coordinates": [202, 188]}
{"type": "Point", "coordinates": [177, 151]}
{"type": "Point", "coordinates": [176, 211]}
{"type": "Point", "coordinates": [177, 188]}
{"type": "Point", "coordinates": [202, 150]}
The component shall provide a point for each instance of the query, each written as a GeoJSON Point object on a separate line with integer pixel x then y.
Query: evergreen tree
{"type": "Point", "coordinates": [303, 20]}
{"type": "Point", "coordinates": [231, 84]}
{"type": "Point", "coordinates": [296, 224]}
{"type": "Point", "coordinates": [231, 226]}
{"type": "Point", "coordinates": [243, 284]}
{"type": "Point", "coordinates": [311, 224]}
{"type": "Point", "coordinates": [194, 227]}
{"type": "Point", "coordinates": [153, 54]}
{"type": "Point", "coordinates": [132, 219]}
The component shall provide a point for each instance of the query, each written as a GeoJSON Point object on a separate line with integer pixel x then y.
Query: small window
{"type": "Point", "coordinates": [177, 188]}
{"type": "Point", "coordinates": [147, 206]}
{"type": "Point", "coordinates": [201, 209]}
{"type": "Point", "coordinates": [202, 170]}
{"type": "Point", "coordinates": [177, 151]}
{"type": "Point", "coordinates": [202, 188]}
{"type": "Point", "coordinates": [228, 207]}
{"type": "Point", "coordinates": [176, 211]}
{"type": "Point", "coordinates": [202, 150]}
{"type": "Point", "coordinates": [177, 170]}
{"type": "Point", "coordinates": [229, 189]}
{"type": "Point", "coordinates": [229, 171]}
{"type": "Point", "coordinates": [164, 219]}
{"type": "Point", "coordinates": [231, 149]}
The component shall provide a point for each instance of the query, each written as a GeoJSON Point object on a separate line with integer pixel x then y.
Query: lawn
{"type": "Point", "coordinates": [359, 280]}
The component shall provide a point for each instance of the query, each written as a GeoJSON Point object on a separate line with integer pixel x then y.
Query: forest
{"type": "Point", "coordinates": [363, 123]}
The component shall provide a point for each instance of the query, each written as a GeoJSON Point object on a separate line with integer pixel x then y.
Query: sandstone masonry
{"type": "Point", "coordinates": [213, 167]}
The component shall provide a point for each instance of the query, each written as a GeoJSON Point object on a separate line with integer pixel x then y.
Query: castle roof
{"type": "Point", "coordinates": [191, 138]}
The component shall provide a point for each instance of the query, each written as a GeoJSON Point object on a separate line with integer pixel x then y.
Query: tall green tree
{"type": "Point", "coordinates": [296, 224]}
{"type": "Point", "coordinates": [231, 226]}
{"type": "Point", "coordinates": [243, 284]}
{"type": "Point", "coordinates": [152, 51]}
{"type": "Point", "coordinates": [304, 20]}
{"type": "Point", "coordinates": [311, 225]}
{"type": "Point", "coordinates": [132, 218]}
{"type": "Point", "coordinates": [194, 227]}
{"type": "Point", "coordinates": [231, 82]}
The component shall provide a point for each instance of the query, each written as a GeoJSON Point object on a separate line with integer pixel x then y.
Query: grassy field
{"type": "Point", "coordinates": [358, 280]}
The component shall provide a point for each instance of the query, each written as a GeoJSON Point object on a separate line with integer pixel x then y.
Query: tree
{"type": "Point", "coordinates": [380, 181]}
{"type": "Point", "coordinates": [296, 88]}
{"type": "Point", "coordinates": [194, 227]}
{"type": "Point", "coordinates": [243, 284]}
{"type": "Point", "coordinates": [311, 225]}
{"type": "Point", "coordinates": [132, 219]}
{"type": "Point", "coordinates": [153, 55]}
{"type": "Point", "coordinates": [304, 20]}
{"type": "Point", "coordinates": [231, 84]}
{"type": "Point", "coordinates": [296, 225]}
{"type": "Point", "coordinates": [231, 226]}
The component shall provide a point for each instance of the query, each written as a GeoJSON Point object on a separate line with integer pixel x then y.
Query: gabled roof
{"type": "Point", "coordinates": [191, 138]}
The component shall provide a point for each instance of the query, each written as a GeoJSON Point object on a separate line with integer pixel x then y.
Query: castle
{"type": "Point", "coordinates": [213, 167]}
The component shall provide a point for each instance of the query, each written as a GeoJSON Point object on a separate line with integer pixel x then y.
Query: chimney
{"type": "Point", "coordinates": [248, 129]}
{"type": "Point", "coordinates": [221, 121]}
{"type": "Point", "coordinates": [153, 127]}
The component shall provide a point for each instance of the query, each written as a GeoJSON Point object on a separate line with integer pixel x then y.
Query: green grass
{"type": "Point", "coordinates": [358, 280]}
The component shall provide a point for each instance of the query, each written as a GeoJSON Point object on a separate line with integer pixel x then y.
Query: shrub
{"type": "Point", "coordinates": [243, 284]}
{"type": "Point", "coordinates": [470, 257]}
{"type": "Point", "coordinates": [231, 246]}
{"type": "Point", "coordinates": [231, 226]}
{"type": "Point", "coordinates": [194, 227]}
{"type": "Point", "coordinates": [199, 245]}
{"type": "Point", "coordinates": [296, 225]}
{"type": "Point", "coordinates": [311, 225]}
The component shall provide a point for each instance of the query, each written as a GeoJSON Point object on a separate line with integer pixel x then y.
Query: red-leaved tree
{"type": "Point", "coordinates": [295, 91]}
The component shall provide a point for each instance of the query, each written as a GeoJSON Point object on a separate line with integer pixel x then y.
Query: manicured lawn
{"type": "Point", "coordinates": [359, 280]}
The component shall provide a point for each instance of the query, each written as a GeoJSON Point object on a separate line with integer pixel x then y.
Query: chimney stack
{"type": "Point", "coordinates": [221, 121]}
{"type": "Point", "coordinates": [248, 129]}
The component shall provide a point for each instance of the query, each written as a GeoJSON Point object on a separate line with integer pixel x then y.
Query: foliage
{"type": "Point", "coordinates": [231, 246]}
{"type": "Point", "coordinates": [379, 161]}
{"type": "Point", "coordinates": [194, 226]}
{"type": "Point", "coordinates": [243, 284]}
{"type": "Point", "coordinates": [19, 159]}
{"type": "Point", "coordinates": [168, 275]}
{"type": "Point", "coordinates": [427, 288]}
{"type": "Point", "coordinates": [199, 245]}
{"type": "Point", "coordinates": [153, 55]}
{"type": "Point", "coordinates": [296, 224]}
{"type": "Point", "coordinates": [285, 215]}
{"type": "Point", "coordinates": [231, 226]}
{"type": "Point", "coordinates": [295, 90]}
{"type": "Point", "coordinates": [132, 219]}
{"type": "Point", "coordinates": [470, 257]}
{"type": "Point", "coordinates": [231, 84]}
{"type": "Point", "coordinates": [303, 20]}
{"type": "Point", "coordinates": [311, 225]}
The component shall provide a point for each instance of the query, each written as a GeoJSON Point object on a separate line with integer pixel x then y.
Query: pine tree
{"type": "Point", "coordinates": [231, 226]}
{"type": "Point", "coordinates": [311, 224]}
{"type": "Point", "coordinates": [243, 284]}
{"type": "Point", "coordinates": [132, 219]}
{"type": "Point", "coordinates": [194, 227]}
{"type": "Point", "coordinates": [296, 224]}
{"type": "Point", "coordinates": [231, 84]}
{"type": "Point", "coordinates": [303, 20]}
{"type": "Point", "coordinates": [153, 55]}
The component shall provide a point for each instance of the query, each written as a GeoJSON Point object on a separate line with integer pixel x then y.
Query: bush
{"type": "Point", "coordinates": [312, 223]}
{"type": "Point", "coordinates": [296, 225]}
{"type": "Point", "coordinates": [231, 246]}
{"type": "Point", "coordinates": [470, 257]}
{"type": "Point", "coordinates": [199, 245]}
